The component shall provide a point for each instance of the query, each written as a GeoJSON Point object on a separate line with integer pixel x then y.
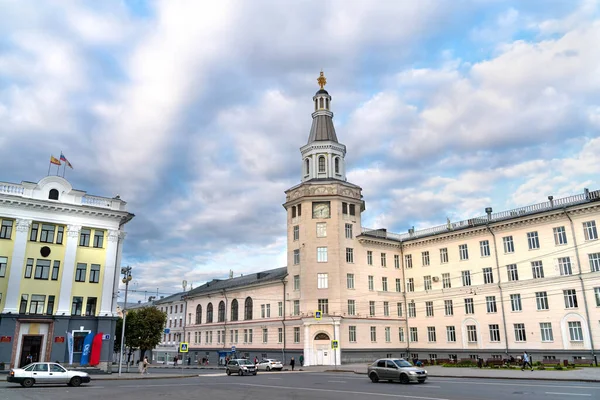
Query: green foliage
{"type": "Point", "coordinates": [558, 367]}
{"type": "Point", "coordinates": [144, 328]}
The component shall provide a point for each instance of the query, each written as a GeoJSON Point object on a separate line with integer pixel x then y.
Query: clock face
{"type": "Point", "coordinates": [321, 210]}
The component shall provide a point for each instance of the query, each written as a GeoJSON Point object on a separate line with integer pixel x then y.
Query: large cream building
{"type": "Point", "coordinates": [495, 285]}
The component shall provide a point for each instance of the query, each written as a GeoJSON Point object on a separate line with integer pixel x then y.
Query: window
{"type": "Point", "coordinates": [337, 159]}
{"type": "Point", "coordinates": [410, 285]}
{"type": "Point", "coordinates": [6, 229]}
{"type": "Point", "coordinates": [408, 261]}
{"type": "Point", "coordinates": [471, 333]}
{"type": "Point", "coordinates": [412, 310]}
{"type": "Point", "coordinates": [401, 334]}
{"type": "Point", "coordinates": [546, 332]}
{"type": "Point", "coordinates": [371, 308]}
{"type": "Point", "coordinates": [370, 280]}
{"type": "Point", "coordinates": [513, 273]}
{"type": "Point", "coordinates": [469, 306]}
{"type": "Point", "coordinates": [388, 334]}
{"type": "Point", "coordinates": [451, 334]}
{"type": "Point", "coordinates": [321, 229]}
{"type": "Point", "coordinates": [265, 335]}
{"type": "Point", "coordinates": [90, 307]}
{"type": "Point", "coordinates": [307, 162]}
{"type": "Point", "coordinates": [384, 285]}
{"type": "Point", "coordinates": [249, 336]}
{"type": "Point", "coordinates": [575, 331]}
{"type": "Point", "coordinates": [448, 307]}
{"type": "Point", "coordinates": [23, 305]}
{"type": "Point", "coordinates": [34, 232]}
{"type": "Point", "coordinates": [348, 230]}
{"type": "Point", "coordinates": [279, 335]}
{"type": "Point", "coordinates": [597, 296]}
{"type": "Point", "coordinates": [77, 306]}
{"type": "Point", "coordinates": [209, 313]}
{"type": "Point", "coordinates": [399, 308]}
{"type": "Point", "coordinates": [59, 234]}
{"type": "Point", "coordinates": [296, 307]}
{"type": "Point", "coordinates": [321, 254]}
{"type": "Point", "coordinates": [296, 233]}
{"type": "Point", "coordinates": [564, 266]}
{"type": "Point", "coordinates": [247, 309]}
{"type": "Point", "coordinates": [520, 335]}
{"type": "Point", "coordinates": [541, 300]}
{"type": "Point", "coordinates": [515, 302]}
{"type": "Point", "coordinates": [55, 270]}
{"type": "Point", "coordinates": [280, 308]}
{"type": "Point", "coordinates": [488, 276]}
{"type": "Point", "coordinates": [537, 269]}
{"type": "Point", "coordinates": [352, 334]}
{"type": "Point", "coordinates": [95, 273]}
{"type": "Point", "coordinates": [28, 268]}
{"type": "Point", "coordinates": [398, 285]}
{"type": "Point", "coordinates": [431, 334]}
{"type": "Point", "coordinates": [322, 281]}
{"type": "Point", "coordinates": [296, 282]}
{"type": "Point", "coordinates": [351, 307]}
{"type": "Point", "coordinates": [199, 312]}
{"type": "Point", "coordinates": [383, 261]}
{"type": "Point", "coordinates": [349, 255]}
{"type": "Point", "coordinates": [323, 306]}
{"type": "Point", "coordinates": [494, 333]}
{"type": "Point", "coordinates": [533, 241]}
{"type": "Point", "coordinates": [463, 252]}
{"type": "Point", "coordinates": [490, 303]}
{"type": "Point", "coordinates": [50, 307]}
{"type": "Point", "coordinates": [444, 255]}
{"type": "Point", "coordinates": [396, 261]}
{"type": "Point", "coordinates": [589, 230]}
{"type": "Point", "coordinates": [36, 306]}
{"type": "Point", "coordinates": [560, 235]}
{"type": "Point", "coordinates": [350, 281]}
{"type": "Point", "coordinates": [47, 234]}
{"type": "Point", "coordinates": [80, 272]}
{"type": "Point", "coordinates": [570, 298]}
{"type": "Point", "coordinates": [373, 334]}
{"type": "Point", "coordinates": [352, 209]}
{"type": "Point", "coordinates": [509, 246]}
{"type": "Point", "coordinates": [3, 263]}
{"type": "Point", "coordinates": [221, 312]}
{"type": "Point", "coordinates": [98, 238]}
{"type": "Point", "coordinates": [446, 284]}
{"type": "Point", "coordinates": [429, 308]}
{"type": "Point", "coordinates": [321, 164]}
{"type": "Point", "coordinates": [369, 257]}
{"type": "Point", "coordinates": [466, 278]}
{"type": "Point", "coordinates": [484, 248]}
{"type": "Point", "coordinates": [425, 258]}
{"type": "Point", "coordinates": [296, 256]}
{"type": "Point", "coordinates": [414, 334]}
{"type": "Point", "coordinates": [594, 262]}
{"type": "Point", "coordinates": [84, 237]}
{"type": "Point", "coordinates": [42, 269]}
{"type": "Point", "coordinates": [427, 282]}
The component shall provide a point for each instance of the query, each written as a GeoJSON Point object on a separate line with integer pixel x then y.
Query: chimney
{"type": "Point", "coordinates": [411, 231]}
{"type": "Point", "coordinates": [139, 302]}
{"type": "Point", "coordinates": [488, 211]}
{"type": "Point", "coordinates": [551, 198]}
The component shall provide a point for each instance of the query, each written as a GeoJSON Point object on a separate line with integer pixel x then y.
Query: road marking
{"type": "Point", "coordinates": [221, 374]}
{"type": "Point", "coordinates": [337, 381]}
{"type": "Point", "coordinates": [471, 382]}
{"type": "Point", "coordinates": [569, 394]}
{"type": "Point", "coordinates": [275, 379]}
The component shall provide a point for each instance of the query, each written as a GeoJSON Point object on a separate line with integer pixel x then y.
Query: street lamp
{"type": "Point", "coordinates": [126, 271]}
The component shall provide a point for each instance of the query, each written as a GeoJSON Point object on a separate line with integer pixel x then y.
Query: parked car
{"type": "Point", "coordinates": [241, 367]}
{"type": "Point", "coordinates": [46, 373]}
{"type": "Point", "coordinates": [268, 364]}
{"type": "Point", "coordinates": [395, 369]}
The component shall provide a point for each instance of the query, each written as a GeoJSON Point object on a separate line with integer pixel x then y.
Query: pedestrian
{"type": "Point", "coordinates": [301, 359]}
{"type": "Point", "coordinates": [29, 358]}
{"type": "Point", "coordinates": [255, 360]}
{"type": "Point", "coordinates": [526, 361]}
{"type": "Point", "coordinates": [175, 361]}
{"type": "Point", "coordinates": [292, 363]}
{"type": "Point", "coordinates": [189, 360]}
{"type": "Point", "coordinates": [145, 366]}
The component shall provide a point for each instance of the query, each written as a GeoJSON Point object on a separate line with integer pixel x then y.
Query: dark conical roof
{"type": "Point", "coordinates": [322, 129]}
{"type": "Point", "coordinates": [322, 91]}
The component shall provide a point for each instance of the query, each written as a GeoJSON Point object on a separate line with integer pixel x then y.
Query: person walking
{"type": "Point", "coordinates": [175, 362]}
{"type": "Point", "coordinates": [526, 361]}
{"type": "Point", "coordinates": [292, 363]}
{"type": "Point", "coordinates": [301, 359]}
{"type": "Point", "coordinates": [145, 366]}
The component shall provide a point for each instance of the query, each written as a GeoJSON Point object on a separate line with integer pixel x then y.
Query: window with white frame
{"type": "Point", "coordinates": [560, 235]}
{"type": "Point", "coordinates": [373, 334]}
{"type": "Point", "coordinates": [537, 269]}
{"type": "Point", "coordinates": [410, 285]}
{"type": "Point", "coordinates": [443, 255]}
{"type": "Point", "coordinates": [296, 256]}
{"type": "Point", "coordinates": [463, 251]}
{"type": "Point", "coordinates": [570, 296]}
{"type": "Point", "coordinates": [372, 308]}
{"type": "Point", "coordinates": [425, 258]}
{"type": "Point", "coordinates": [265, 335]}
{"type": "Point", "coordinates": [388, 334]}
{"type": "Point", "coordinates": [408, 261]}
{"type": "Point", "coordinates": [349, 255]}
{"type": "Point", "coordinates": [399, 307]}
{"type": "Point", "coordinates": [564, 266]}
{"type": "Point", "coordinates": [396, 261]}
{"type": "Point", "coordinates": [469, 306]}
{"type": "Point", "coordinates": [427, 282]}
{"type": "Point", "coordinates": [520, 335]}
{"type": "Point", "coordinates": [429, 308]}
{"type": "Point", "coordinates": [446, 283]}
{"type": "Point", "coordinates": [296, 307]}
{"type": "Point", "coordinates": [515, 302]}
{"type": "Point", "coordinates": [280, 308]}
{"type": "Point", "coordinates": [352, 334]}
{"type": "Point", "coordinates": [321, 229]}
{"type": "Point", "coordinates": [484, 248]}
{"type": "Point", "coordinates": [348, 230]}
{"type": "Point", "coordinates": [594, 262]}
{"type": "Point", "coordinates": [296, 282]}
{"type": "Point", "coordinates": [321, 254]}
{"type": "Point", "coordinates": [386, 308]}
{"type": "Point", "coordinates": [513, 272]}
{"type": "Point", "coordinates": [296, 232]}
{"type": "Point", "coordinates": [589, 230]}
{"type": "Point", "coordinates": [488, 275]}
{"type": "Point", "coordinates": [450, 334]}
{"type": "Point", "coordinates": [384, 284]}
{"type": "Point", "coordinates": [597, 296]}
{"type": "Point", "coordinates": [533, 240]}
{"type": "Point", "coordinates": [472, 333]}
{"type": "Point", "coordinates": [414, 334]}
{"type": "Point", "coordinates": [371, 284]}
{"type": "Point", "coordinates": [383, 260]}
{"type": "Point", "coordinates": [575, 331]}
{"type": "Point", "coordinates": [351, 307]}
{"type": "Point", "coordinates": [431, 337]}
{"type": "Point", "coordinates": [490, 303]}
{"type": "Point", "coordinates": [509, 246]}
{"type": "Point", "coordinates": [279, 335]}
{"type": "Point", "coordinates": [3, 264]}
{"type": "Point", "coordinates": [350, 281]}
{"type": "Point", "coordinates": [541, 300]}
{"type": "Point", "coordinates": [401, 334]}
{"type": "Point", "coordinates": [448, 307]}
{"type": "Point", "coordinates": [466, 278]}
{"type": "Point", "coordinates": [546, 332]}
{"type": "Point", "coordinates": [398, 285]}
{"type": "Point", "coordinates": [494, 332]}
{"type": "Point", "coordinates": [412, 310]}
{"type": "Point", "coordinates": [323, 306]}
{"type": "Point", "coordinates": [369, 257]}
{"type": "Point", "coordinates": [296, 335]}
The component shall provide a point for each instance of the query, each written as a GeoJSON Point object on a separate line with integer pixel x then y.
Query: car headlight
{"type": "Point", "coordinates": [425, 371]}
{"type": "Point", "coordinates": [412, 372]}
{"type": "Point", "coordinates": [244, 367]}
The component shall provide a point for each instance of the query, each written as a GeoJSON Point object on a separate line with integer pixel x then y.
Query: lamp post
{"type": "Point", "coordinates": [126, 271]}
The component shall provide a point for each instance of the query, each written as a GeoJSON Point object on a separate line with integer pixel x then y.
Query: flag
{"type": "Point", "coordinates": [54, 160]}
{"type": "Point", "coordinates": [70, 347]}
{"type": "Point", "coordinates": [63, 158]}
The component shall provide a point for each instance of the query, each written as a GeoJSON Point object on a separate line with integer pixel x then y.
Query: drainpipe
{"type": "Point", "coordinates": [499, 288]}
{"type": "Point", "coordinates": [225, 317]}
{"type": "Point", "coordinates": [283, 322]}
{"type": "Point", "coordinates": [587, 313]}
{"type": "Point", "coordinates": [406, 334]}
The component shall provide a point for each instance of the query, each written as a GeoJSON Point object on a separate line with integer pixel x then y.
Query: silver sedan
{"type": "Point", "coordinates": [269, 364]}
{"type": "Point", "coordinates": [395, 369]}
{"type": "Point", "coordinates": [46, 373]}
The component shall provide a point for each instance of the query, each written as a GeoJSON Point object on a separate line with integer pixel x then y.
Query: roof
{"type": "Point", "coordinates": [171, 298]}
{"type": "Point", "coordinates": [322, 91]}
{"type": "Point", "coordinates": [240, 281]}
{"type": "Point", "coordinates": [322, 129]}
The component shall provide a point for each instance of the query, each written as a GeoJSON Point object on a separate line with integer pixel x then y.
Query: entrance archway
{"type": "Point", "coordinates": [322, 349]}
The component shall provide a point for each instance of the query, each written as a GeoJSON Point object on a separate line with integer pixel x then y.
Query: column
{"type": "Point", "coordinates": [66, 285]}
{"type": "Point", "coordinates": [17, 261]}
{"type": "Point", "coordinates": [108, 280]}
{"type": "Point", "coordinates": [329, 169]}
{"type": "Point", "coordinates": [308, 354]}
{"type": "Point", "coordinates": [336, 330]}
{"type": "Point", "coordinates": [117, 275]}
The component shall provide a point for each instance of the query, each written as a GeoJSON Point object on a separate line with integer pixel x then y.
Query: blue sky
{"type": "Point", "coordinates": [194, 112]}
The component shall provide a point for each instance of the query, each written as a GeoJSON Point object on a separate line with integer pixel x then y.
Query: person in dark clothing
{"type": "Point", "coordinates": [292, 363]}
{"type": "Point", "coordinates": [301, 359]}
{"type": "Point", "coordinates": [175, 361]}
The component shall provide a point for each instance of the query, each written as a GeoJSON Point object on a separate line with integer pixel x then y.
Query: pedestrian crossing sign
{"type": "Point", "coordinates": [183, 347]}
{"type": "Point", "coordinates": [318, 314]}
{"type": "Point", "coordinates": [335, 344]}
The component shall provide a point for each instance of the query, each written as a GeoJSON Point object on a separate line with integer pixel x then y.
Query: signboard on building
{"type": "Point", "coordinates": [106, 336]}
{"type": "Point", "coordinates": [335, 344]}
{"type": "Point", "coordinates": [59, 339]}
{"type": "Point", "coordinates": [233, 348]}
{"type": "Point", "coordinates": [183, 347]}
{"type": "Point", "coordinates": [318, 315]}
{"type": "Point", "coordinates": [167, 330]}
{"type": "Point", "coordinates": [5, 339]}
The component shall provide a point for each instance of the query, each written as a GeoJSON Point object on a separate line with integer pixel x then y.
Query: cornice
{"type": "Point", "coordinates": [377, 242]}
{"type": "Point", "coordinates": [324, 189]}
{"type": "Point", "coordinates": [20, 203]}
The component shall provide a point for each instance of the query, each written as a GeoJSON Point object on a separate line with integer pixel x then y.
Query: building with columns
{"type": "Point", "coordinates": [60, 254]}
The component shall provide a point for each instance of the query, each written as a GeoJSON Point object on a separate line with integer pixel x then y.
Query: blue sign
{"type": "Point", "coordinates": [106, 336]}
{"type": "Point", "coordinates": [167, 330]}
{"type": "Point", "coordinates": [317, 314]}
{"type": "Point", "coordinates": [232, 348]}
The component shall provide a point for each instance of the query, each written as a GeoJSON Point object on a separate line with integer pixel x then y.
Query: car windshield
{"type": "Point", "coordinates": [402, 363]}
{"type": "Point", "coordinates": [246, 362]}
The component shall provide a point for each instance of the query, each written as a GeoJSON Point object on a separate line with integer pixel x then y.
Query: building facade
{"type": "Point", "coordinates": [60, 253]}
{"type": "Point", "coordinates": [489, 287]}
{"type": "Point", "coordinates": [175, 308]}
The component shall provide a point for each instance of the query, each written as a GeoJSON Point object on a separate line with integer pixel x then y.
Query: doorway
{"type": "Point", "coordinates": [32, 344]}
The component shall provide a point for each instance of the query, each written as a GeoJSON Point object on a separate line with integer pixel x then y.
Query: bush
{"type": "Point", "coordinates": [2, 365]}
{"type": "Point", "coordinates": [466, 363]}
{"type": "Point", "coordinates": [558, 367]}
{"type": "Point", "coordinates": [541, 367]}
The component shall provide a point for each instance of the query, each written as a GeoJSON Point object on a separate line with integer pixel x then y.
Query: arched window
{"type": "Point", "coordinates": [221, 311]}
{"type": "Point", "coordinates": [248, 308]}
{"type": "Point", "coordinates": [321, 102]}
{"type": "Point", "coordinates": [337, 165]}
{"type": "Point", "coordinates": [327, 104]}
{"type": "Point", "coordinates": [321, 164]}
{"type": "Point", "coordinates": [234, 310]}
{"type": "Point", "coordinates": [209, 313]}
{"type": "Point", "coordinates": [307, 168]}
{"type": "Point", "coordinates": [53, 195]}
{"type": "Point", "coordinates": [198, 314]}
{"type": "Point", "coordinates": [316, 105]}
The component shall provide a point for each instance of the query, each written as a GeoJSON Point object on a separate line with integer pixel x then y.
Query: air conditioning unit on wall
{"type": "Point", "coordinates": [436, 279]}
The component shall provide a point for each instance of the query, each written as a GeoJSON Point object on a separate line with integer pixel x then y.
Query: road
{"type": "Point", "coordinates": [306, 385]}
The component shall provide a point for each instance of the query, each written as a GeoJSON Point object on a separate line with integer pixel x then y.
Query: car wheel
{"type": "Point", "coordinates": [268, 368]}
{"type": "Point", "coordinates": [228, 372]}
{"type": "Point", "coordinates": [404, 378]}
{"type": "Point", "coordinates": [374, 377]}
{"type": "Point", "coordinates": [254, 373]}
{"type": "Point", "coordinates": [421, 381]}
{"type": "Point", "coordinates": [240, 372]}
{"type": "Point", "coordinates": [28, 382]}
{"type": "Point", "coordinates": [75, 381]}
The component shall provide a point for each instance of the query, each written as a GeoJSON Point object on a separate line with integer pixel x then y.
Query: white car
{"type": "Point", "coordinates": [46, 373]}
{"type": "Point", "coordinates": [269, 364]}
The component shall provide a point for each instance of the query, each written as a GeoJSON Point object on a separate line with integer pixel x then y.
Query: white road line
{"type": "Point", "coordinates": [337, 381]}
{"type": "Point", "coordinates": [471, 382]}
{"type": "Point", "coordinates": [274, 379]}
{"type": "Point", "coordinates": [569, 394]}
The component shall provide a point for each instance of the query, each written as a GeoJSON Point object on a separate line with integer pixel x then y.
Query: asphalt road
{"type": "Point", "coordinates": [305, 385]}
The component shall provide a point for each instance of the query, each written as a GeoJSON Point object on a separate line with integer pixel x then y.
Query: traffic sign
{"type": "Point", "coordinates": [183, 347]}
{"type": "Point", "coordinates": [335, 344]}
{"type": "Point", "coordinates": [167, 330]}
{"type": "Point", "coordinates": [318, 314]}
{"type": "Point", "coordinates": [233, 348]}
{"type": "Point", "coordinates": [106, 336]}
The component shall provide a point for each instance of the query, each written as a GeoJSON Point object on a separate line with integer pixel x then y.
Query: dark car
{"type": "Point", "coordinates": [241, 367]}
{"type": "Point", "coordinates": [395, 369]}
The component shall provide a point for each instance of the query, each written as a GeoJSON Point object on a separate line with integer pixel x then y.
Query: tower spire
{"type": "Point", "coordinates": [321, 80]}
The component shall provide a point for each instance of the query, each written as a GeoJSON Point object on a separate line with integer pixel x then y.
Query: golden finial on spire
{"type": "Point", "coordinates": [322, 81]}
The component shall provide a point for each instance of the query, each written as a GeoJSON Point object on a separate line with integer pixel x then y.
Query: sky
{"type": "Point", "coordinates": [194, 113]}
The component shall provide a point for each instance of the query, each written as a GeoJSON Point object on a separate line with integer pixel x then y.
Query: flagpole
{"type": "Point", "coordinates": [49, 165]}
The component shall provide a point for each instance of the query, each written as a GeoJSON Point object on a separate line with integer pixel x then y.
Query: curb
{"type": "Point", "coordinates": [144, 378]}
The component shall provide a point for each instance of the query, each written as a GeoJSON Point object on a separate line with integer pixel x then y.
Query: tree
{"type": "Point", "coordinates": [144, 328]}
